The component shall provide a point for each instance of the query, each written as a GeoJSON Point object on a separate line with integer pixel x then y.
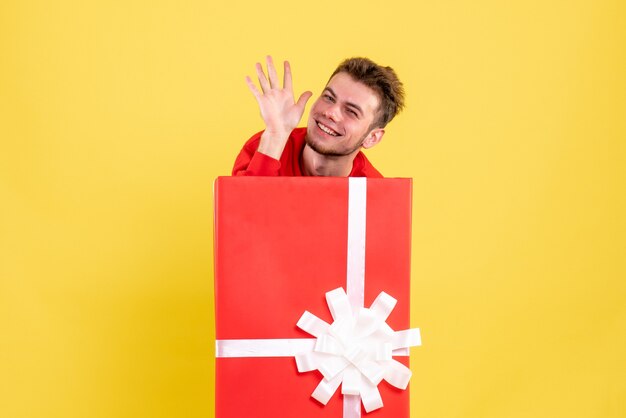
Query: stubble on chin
{"type": "Point", "coordinates": [330, 151]}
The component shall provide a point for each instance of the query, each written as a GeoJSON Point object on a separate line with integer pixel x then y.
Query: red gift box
{"type": "Point", "coordinates": [281, 243]}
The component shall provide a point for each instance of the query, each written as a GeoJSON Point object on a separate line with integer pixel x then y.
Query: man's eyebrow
{"type": "Point", "coordinates": [330, 91]}
{"type": "Point", "coordinates": [349, 104]}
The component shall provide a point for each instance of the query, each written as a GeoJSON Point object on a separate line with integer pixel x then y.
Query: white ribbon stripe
{"type": "Point", "coordinates": [280, 347]}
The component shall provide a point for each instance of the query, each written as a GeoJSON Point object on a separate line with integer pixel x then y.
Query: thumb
{"type": "Point", "coordinates": [304, 97]}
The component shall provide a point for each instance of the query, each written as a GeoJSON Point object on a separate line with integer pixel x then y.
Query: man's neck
{"type": "Point", "coordinates": [315, 164]}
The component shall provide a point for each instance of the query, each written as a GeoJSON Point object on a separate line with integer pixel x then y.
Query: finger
{"type": "Point", "coordinates": [287, 83]}
{"type": "Point", "coordinates": [271, 72]}
{"type": "Point", "coordinates": [304, 97]}
{"type": "Point", "coordinates": [262, 79]}
{"type": "Point", "coordinates": [255, 91]}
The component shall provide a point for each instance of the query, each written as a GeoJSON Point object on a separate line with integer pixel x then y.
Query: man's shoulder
{"type": "Point", "coordinates": [362, 167]}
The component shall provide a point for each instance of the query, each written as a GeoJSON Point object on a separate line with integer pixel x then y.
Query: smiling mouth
{"type": "Point", "coordinates": [326, 129]}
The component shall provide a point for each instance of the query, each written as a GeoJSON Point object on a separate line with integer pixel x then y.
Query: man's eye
{"type": "Point", "coordinates": [329, 98]}
{"type": "Point", "coordinates": [353, 113]}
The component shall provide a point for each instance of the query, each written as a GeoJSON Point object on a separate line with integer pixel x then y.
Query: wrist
{"type": "Point", "coordinates": [273, 143]}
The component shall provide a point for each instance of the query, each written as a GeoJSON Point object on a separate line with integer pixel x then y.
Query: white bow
{"type": "Point", "coordinates": [356, 350]}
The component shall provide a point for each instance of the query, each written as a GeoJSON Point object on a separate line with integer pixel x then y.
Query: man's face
{"type": "Point", "coordinates": [340, 119]}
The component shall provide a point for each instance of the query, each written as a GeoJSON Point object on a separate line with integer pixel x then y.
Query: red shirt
{"type": "Point", "coordinates": [249, 162]}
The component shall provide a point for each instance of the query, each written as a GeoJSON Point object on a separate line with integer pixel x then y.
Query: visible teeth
{"type": "Point", "coordinates": [327, 129]}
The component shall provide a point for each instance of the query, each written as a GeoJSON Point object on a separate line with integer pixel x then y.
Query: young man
{"type": "Point", "coordinates": [359, 100]}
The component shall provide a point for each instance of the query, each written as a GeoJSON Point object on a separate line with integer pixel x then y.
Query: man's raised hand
{"type": "Point", "coordinates": [279, 110]}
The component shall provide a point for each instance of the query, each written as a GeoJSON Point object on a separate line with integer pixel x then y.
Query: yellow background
{"type": "Point", "coordinates": [116, 116]}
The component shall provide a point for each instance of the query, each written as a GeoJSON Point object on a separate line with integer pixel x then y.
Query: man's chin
{"type": "Point", "coordinates": [325, 150]}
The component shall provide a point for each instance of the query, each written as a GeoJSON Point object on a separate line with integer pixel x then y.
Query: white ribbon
{"type": "Point", "coordinates": [279, 347]}
{"type": "Point", "coordinates": [357, 217]}
{"type": "Point", "coordinates": [356, 350]}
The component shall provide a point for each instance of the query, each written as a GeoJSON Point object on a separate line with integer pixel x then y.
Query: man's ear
{"type": "Point", "coordinates": [373, 138]}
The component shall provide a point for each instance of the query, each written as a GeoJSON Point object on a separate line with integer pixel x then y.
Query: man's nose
{"type": "Point", "coordinates": [332, 112]}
